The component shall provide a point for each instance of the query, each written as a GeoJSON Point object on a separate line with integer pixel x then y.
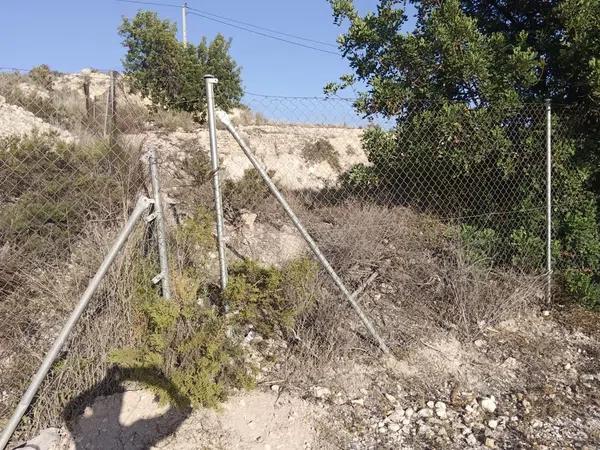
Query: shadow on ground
{"type": "Point", "coordinates": [127, 418]}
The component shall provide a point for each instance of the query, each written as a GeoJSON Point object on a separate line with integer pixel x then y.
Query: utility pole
{"type": "Point", "coordinates": [184, 23]}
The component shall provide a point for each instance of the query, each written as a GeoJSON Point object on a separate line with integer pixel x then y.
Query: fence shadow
{"type": "Point", "coordinates": [125, 418]}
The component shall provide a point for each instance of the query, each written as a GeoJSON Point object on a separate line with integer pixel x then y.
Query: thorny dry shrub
{"type": "Point", "coordinates": [319, 151]}
{"type": "Point", "coordinates": [424, 285]}
{"type": "Point", "coordinates": [105, 325]}
{"type": "Point", "coordinates": [172, 120]}
{"type": "Point", "coordinates": [60, 200]}
{"type": "Point", "coordinates": [245, 116]}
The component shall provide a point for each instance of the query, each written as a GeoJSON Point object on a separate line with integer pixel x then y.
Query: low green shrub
{"type": "Point", "coordinates": [50, 189]}
{"type": "Point", "coordinates": [183, 343]}
{"type": "Point", "coordinates": [269, 298]}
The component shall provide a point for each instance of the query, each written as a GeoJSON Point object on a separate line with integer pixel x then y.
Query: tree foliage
{"type": "Point", "coordinates": [460, 87]}
{"type": "Point", "coordinates": [171, 74]}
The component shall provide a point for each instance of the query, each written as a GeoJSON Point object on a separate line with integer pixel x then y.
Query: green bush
{"type": "Point", "coordinates": [269, 298]}
{"type": "Point", "coordinates": [484, 168]}
{"type": "Point", "coordinates": [50, 189]}
{"type": "Point", "coordinates": [184, 344]}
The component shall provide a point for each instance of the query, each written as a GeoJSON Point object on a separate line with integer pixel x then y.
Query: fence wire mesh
{"type": "Point", "coordinates": [380, 196]}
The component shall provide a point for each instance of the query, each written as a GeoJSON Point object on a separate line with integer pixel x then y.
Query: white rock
{"type": "Point", "coordinates": [321, 392]}
{"type": "Point", "coordinates": [425, 412]}
{"type": "Point", "coordinates": [397, 415]}
{"type": "Point", "coordinates": [492, 424]}
{"type": "Point", "coordinates": [390, 398]}
{"type": "Point", "coordinates": [430, 404]}
{"type": "Point", "coordinates": [275, 387]}
{"type": "Point", "coordinates": [441, 413]}
{"type": "Point", "coordinates": [440, 405]}
{"type": "Point", "coordinates": [488, 404]}
{"type": "Point", "coordinates": [472, 440]}
{"type": "Point", "coordinates": [409, 412]}
{"type": "Point", "coordinates": [546, 313]}
{"type": "Point", "coordinates": [394, 427]}
{"type": "Point", "coordinates": [48, 439]}
{"type": "Point", "coordinates": [479, 343]}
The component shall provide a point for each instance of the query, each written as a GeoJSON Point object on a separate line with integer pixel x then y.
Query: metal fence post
{"type": "Point", "coordinates": [142, 204]}
{"type": "Point", "coordinates": [214, 159]}
{"type": "Point", "coordinates": [307, 237]}
{"type": "Point", "coordinates": [161, 232]}
{"type": "Point", "coordinates": [548, 201]}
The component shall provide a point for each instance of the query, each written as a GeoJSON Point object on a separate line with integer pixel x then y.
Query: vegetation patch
{"type": "Point", "coordinates": [268, 298]}
{"type": "Point", "coordinates": [319, 151]}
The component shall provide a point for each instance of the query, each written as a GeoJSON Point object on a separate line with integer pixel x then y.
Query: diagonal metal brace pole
{"type": "Point", "coordinates": [142, 204]}
{"type": "Point", "coordinates": [224, 118]}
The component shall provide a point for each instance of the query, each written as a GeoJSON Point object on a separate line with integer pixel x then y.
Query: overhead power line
{"type": "Point", "coordinates": [232, 23]}
{"type": "Point", "coordinates": [270, 30]}
{"type": "Point", "coordinates": [265, 34]}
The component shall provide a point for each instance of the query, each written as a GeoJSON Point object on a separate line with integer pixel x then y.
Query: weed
{"type": "Point", "coordinates": [319, 151]}
{"type": "Point", "coordinates": [269, 298]}
{"type": "Point", "coordinates": [247, 193]}
{"type": "Point", "coordinates": [184, 343]}
{"type": "Point", "coordinates": [42, 76]}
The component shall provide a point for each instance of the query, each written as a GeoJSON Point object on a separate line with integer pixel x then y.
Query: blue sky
{"type": "Point", "coordinates": [69, 35]}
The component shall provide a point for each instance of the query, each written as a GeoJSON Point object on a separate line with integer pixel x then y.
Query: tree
{"type": "Point", "coordinates": [459, 87]}
{"type": "Point", "coordinates": [171, 74]}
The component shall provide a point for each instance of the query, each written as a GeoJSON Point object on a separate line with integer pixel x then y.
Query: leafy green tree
{"type": "Point", "coordinates": [171, 74]}
{"type": "Point", "coordinates": [458, 87]}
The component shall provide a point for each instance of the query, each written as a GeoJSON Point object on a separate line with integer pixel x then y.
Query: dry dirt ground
{"type": "Point", "coordinates": [532, 382]}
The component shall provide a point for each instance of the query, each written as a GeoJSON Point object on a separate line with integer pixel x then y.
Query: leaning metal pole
{"type": "Point", "coordinates": [548, 201]}
{"type": "Point", "coordinates": [142, 204]}
{"type": "Point", "coordinates": [214, 159]}
{"type": "Point", "coordinates": [161, 232]}
{"type": "Point", "coordinates": [309, 240]}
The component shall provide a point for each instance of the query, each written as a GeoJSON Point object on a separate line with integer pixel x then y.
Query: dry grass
{"type": "Point", "coordinates": [171, 120]}
{"type": "Point", "coordinates": [245, 116]}
{"type": "Point", "coordinates": [424, 286]}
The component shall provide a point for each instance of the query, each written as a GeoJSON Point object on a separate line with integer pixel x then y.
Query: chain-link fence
{"type": "Point", "coordinates": [70, 172]}
{"type": "Point", "coordinates": [379, 196]}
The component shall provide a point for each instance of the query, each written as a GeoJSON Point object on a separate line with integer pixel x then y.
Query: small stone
{"type": "Point", "coordinates": [394, 427]}
{"type": "Point", "coordinates": [396, 415]}
{"type": "Point", "coordinates": [430, 404]}
{"type": "Point", "coordinates": [248, 219]}
{"type": "Point", "coordinates": [488, 404]}
{"type": "Point", "coordinates": [390, 398]}
{"type": "Point", "coordinates": [479, 343]}
{"type": "Point", "coordinates": [425, 412]}
{"type": "Point", "coordinates": [493, 424]}
{"type": "Point", "coordinates": [567, 366]}
{"type": "Point", "coordinates": [441, 413]}
{"type": "Point", "coordinates": [406, 422]}
{"type": "Point", "coordinates": [440, 405]}
{"type": "Point", "coordinates": [321, 392]}
{"type": "Point", "coordinates": [472, 440]}
{"type": "Point", "coordinates": [490, 443]}
{"type": "Point", "coordinates": [275, 387]}
{"type": "Point", "coordinates": [409, 412]}
{"type": "Point", "coordinates": [545, 313]}
{"type": "Point", "coordinates": [358, 401]}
